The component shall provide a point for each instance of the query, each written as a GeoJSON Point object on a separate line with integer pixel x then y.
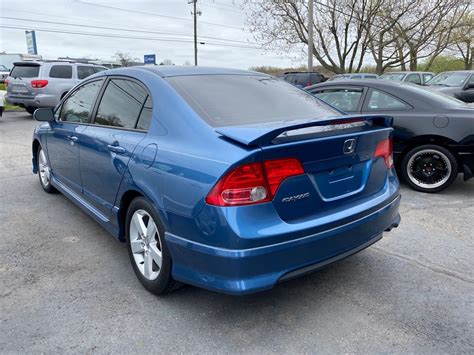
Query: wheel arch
{"type": "Point", "coordinates": [34, 150]}
{"type": "Point", "coordinates": [125, 201]}
{"type": "Point", "coordinates": [442, 141]}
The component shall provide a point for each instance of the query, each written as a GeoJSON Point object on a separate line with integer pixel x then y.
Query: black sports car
{"type": "Point", "coordinates": [434, 133]}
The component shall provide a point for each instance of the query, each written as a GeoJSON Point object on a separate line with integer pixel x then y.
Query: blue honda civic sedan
{"type": "Point", "coordinates": [224, 179]}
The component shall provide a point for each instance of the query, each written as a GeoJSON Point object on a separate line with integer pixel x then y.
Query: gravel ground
{"type": "Point", "coordinates": [67, 286]}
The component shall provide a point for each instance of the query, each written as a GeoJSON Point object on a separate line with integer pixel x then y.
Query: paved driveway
{"type": "Point", "coordinates": [66, 285]}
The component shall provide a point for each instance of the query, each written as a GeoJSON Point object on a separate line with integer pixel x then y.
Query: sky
{"type": "Point", "coordinates": [168, 22]}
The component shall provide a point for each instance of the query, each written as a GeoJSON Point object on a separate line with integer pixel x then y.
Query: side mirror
{"type": "Point", "coordinates": [44, 115]}
{"type": "Point", "coordinates": [469, 86]}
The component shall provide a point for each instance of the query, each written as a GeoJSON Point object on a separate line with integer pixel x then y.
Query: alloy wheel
{"type": "Point", "coordinates": [145, 244]}
{"type": "Point", "coordinates": [44, 170]}
{"type": "Point", "coordinates": [429, 168]}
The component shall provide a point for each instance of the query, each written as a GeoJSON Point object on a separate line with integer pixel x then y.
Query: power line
{"type": "Point", "coordinates": [155, 14]}
{"type": "Point", "coordinates": [126, 36]}
{"type": "Point", "coordinates": [120, 29]}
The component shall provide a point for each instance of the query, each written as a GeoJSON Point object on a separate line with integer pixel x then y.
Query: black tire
{"type": "Point", "coordinates": [46, 185]}
{"type": "Point", "coordinates": [164, 283]}
{"type": "Point", "coordinates": [429, 168]}
{"type": "Point", "coordinates": [30, 109]}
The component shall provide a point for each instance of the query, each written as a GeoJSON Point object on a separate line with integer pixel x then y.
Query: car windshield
{"type": "Point", "coordinates": [3, 68]}
{"type": "Point", "coordinates": [393, 76]}
{"type": "Point", "coordinates": [227, 100]}
{"type": "Point", "coordinates": [448, 79]}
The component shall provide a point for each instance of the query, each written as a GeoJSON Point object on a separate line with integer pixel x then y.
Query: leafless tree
{"type": "Point", "coordinates": [125, 59]}
{"type": "Point", "coordinates": [341, 29]}
{"type": "Point", "coordinates": [427, 30]}
{"type": "Point", "coordinates": [463, 41]}
{"type": "Point", "coordinates": [394, 32]}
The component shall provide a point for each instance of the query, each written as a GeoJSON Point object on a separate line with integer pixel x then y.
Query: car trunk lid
{"type": "Point", "coordinates": [19, 82]}
{"type": "Point", "coordinates": [338, 157]}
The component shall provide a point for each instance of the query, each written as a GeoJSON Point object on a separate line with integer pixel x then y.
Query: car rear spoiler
{"type": "Point", "coordinates": [263, 135]}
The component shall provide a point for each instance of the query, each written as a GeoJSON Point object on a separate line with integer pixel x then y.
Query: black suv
{"type": "Point", "coordinates": [303, 79]}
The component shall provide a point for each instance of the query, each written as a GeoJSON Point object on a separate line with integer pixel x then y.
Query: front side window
{"type": "Point", "coordinates": [61, 71]}
{"type": "Point", "coordinates": [379, 100]}
{"type": "Point", "coordinates": [121, 104]}
{"type": "Point", "coordinates": [427, 77]}
{"type": "Point", "coordinates": [84, 71]}
{"type": "Point", "coordinates": [343, 99]}
{"type": "Point", "coordinates": [471, 80]}
{"type": "Point", "coordinates": [414, 79]}
{"type": "Point", "coordinates": [78, 105]}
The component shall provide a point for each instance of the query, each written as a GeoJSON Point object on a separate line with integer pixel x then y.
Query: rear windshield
{"type": "Point", "coordinates": [25, 71]}
{"type": "Point", "coordinates": [227, 100]}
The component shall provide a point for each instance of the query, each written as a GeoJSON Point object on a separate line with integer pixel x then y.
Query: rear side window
{"type": "Point", "coordinates": [316, 78]}
{"type": "Point", "coordinates": [121, 104]}
{"type": "Point", "coordinates": [25, 71]}
{"type": "Point", "coordinates": [98, 69]}
{"type": "Point", "coordinates": [302, 79]}
{"type": "Point", "coordinates": [78, 105]}
{"type": "Point", "coordinates": [379, 100]}
{"type": "Point", "coordinates": [84, 71]}
{"type": "Point", "coordinates": [145, 116]}
{"type": "Point", "coordinates": [226, 100]}
{"type": "Point", "coordinates": [61, 71]}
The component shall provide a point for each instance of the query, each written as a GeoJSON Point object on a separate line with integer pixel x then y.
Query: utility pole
{"type": "Point", "coordinates": [195, 13]}
{"type": "Point", "coordinates": [310, 34]}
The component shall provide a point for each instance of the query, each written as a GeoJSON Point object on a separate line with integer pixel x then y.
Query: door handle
{"type": "Point", "coordinates": [116, 149]}
{"type": "Point", "coordinates": [72, 138]}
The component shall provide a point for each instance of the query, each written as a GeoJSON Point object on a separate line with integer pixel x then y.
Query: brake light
{"type": "Point", "coordinates": [253, 183]}
{"type": "Point", "coordinates": [6, 82]}
{"type": "Point", "coordinates": [280, 169]}
{"type": "Point", "coordinates": [37, 84]}
{"type": "Point", "coordinates": [385, 149]}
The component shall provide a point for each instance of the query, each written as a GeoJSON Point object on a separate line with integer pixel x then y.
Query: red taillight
{"type": "Point", "coordinates": [385, 149]}
{"type": "Point", "coordinates": [280, 169]}
{"type": "Point", "coordinates": [37, 84]}
{"type": "Point", "coordinates": [6, 82]}
{"type": "Point", "coordinates": [253, 183]}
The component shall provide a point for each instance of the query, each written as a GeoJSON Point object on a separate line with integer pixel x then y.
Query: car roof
{"type": "Point", "coordinates": [175, 70]}
{"type": "Point", "coordinates": [457, 71]}
{"type": "Point", "coordinates": [41, 62]}
{"type": "Point", "coordinates": [358, 82]}
{"type": "Point", "coordinates": [407, 72]}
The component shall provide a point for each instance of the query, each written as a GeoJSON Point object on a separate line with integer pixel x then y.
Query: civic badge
{"type": "Point", "coordinates": [349, 146]}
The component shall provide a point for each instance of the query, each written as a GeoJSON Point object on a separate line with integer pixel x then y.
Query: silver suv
{"type": "Point", "coordinates": [44, 84]}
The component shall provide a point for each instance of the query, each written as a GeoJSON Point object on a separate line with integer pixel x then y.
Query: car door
{"type": "Point", "coordinates": [110, 141]}
{"type": "Point", "coordinates": [66, 134]}
{"type": "Point", "coordinates": [467, 92]}
{"type": "Point", "coordinates": [345, 98]}
{"type": "Point", "coordinates": [379, 101]}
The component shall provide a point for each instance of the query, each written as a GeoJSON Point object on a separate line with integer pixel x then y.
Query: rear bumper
{"type": "Point", "coordinates": [40, 100]}
{"type": "Point", "coordinates": [243, 271]}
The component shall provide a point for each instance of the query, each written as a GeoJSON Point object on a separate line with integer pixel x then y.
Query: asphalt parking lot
{"type": "Point", "coordinates": [67, 286]}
